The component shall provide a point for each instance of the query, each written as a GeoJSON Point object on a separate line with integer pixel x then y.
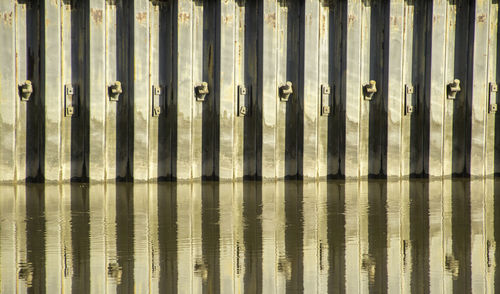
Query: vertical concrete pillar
{"type": "Point", "coordinates": [189, 44]}
{"type": "Point", "coordinates": [8, 91]}
{"type": "Point", "coordinates": [353, 91]}
{"type": "Point", "coordinates": [72, 69]}
{"type": "Point", "coordinates": [162, 126]}
{"type": "Point", "coordinates": [395, 93]}
{"type": "Point", "coordinates": [312, 97]}
{"type": "Point", "coordinates": [98, 92]}
{"type": "Point", "coordinates": [230, 137]}
{"type": "Point", "coordinates": [490, 161]}
{"type": "Point", "coordinates": [480, 86]}
{"type": "Point", "coordinates": [270, 162]}
{"type": "Point", "coordinates": [140, 113]}
{"type": "Point", "coordinates": [97, 217]}
{"type": "Point", "coordinates": [437, 89]}
{"type": "Point", "coordinates": [51, 70]}
{"type": "Point", "coordinates": [8, 262]}
{"type": "Point", "coordinates": [118, 68]}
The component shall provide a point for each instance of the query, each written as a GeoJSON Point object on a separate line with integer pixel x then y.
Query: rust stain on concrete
{"type": "Point", "coordinates": [96, 15]}
{"type": "Point", "coordinates": [271, 19]}
{"type": "Point", "coordinates": [141, 17]}
{"type": "Point", "coordinates": [184, 17]}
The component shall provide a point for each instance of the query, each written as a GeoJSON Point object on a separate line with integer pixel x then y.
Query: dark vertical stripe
{"type": "Point", "coordinates": [377, 236]}
{"type": "Point", "coordinates": [167, 232]}
{"type": "Point", "coordinates": [80, 238]}
{"type": "Point", "coordinates": [336, 237]}
{"type": "Point", "coordinates": [418, 66]}
{"type": "Point", "coordinates": [211, 73]}
{"type": "Point", "coordinates": [124, 64]}
{"type": "Point", "coordinates": [125, 236]}
{"type": "Point", "coordinates": [78, 62]}
{"type": "Point", "coordinates": [462, 71]}
{"type": "Point", "coordinates": [377, 142]}
{"type": "Point", "coordinates": [294, 235]}
{"type": "Point", "coordinates": [252, 224]}
{"type": "Point", "coordinates": [336, 79]}
{"type": "Point", "coordinates": [35, 120]}
{"type": "Point", "coordinates": [251, 126]}
{"type": "Point", "coordinates": [459, 264]}
{"type": "Point", "coordinates": [210, 237]}
{"type": "Point", "coordinates": [419, 237]}
{"type": "Point", "coordinates": [34, 272]}
{"type": "Point", "coordinates": [294, 74]}
{"type": "Point", "coordinates": [167, 121]}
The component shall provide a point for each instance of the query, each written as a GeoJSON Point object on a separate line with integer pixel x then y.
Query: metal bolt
{"type": "Point", "coordinates": [453, 89]}
{"type": "Point", "coordinates": [115, 90]}
{"type": "Point", "coordinates": [326, 110]}
{"type": "Point", "coordinates": [26, 90]}
{"type": "Point", "coordinates": [370, 89]}
{"type": "Point", "coordinates": [201, 91]}
{"type": "Point", "coordinates": [285, 91]}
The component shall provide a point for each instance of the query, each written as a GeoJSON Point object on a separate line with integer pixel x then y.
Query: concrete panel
{"type": "Point", "coordinates": [479, 93]}
{"type": "Point", "coordinates": [490, 162]}
{"type": "Point", "coordinates": [98, 92]}
{"type": "Point", "coordinates": [8, 93]}
{"type": "Point", "coordinates": [140, 112]}
{"type": "Point", "coordinates": [395, 96]}
{"type": "Point", "coordinates": [51, 90]}
{"type": "Point", "coordinates": [269, 92]}
{"type": "Point", "coordinates": [437, 90]}
{"type": "Point", "coordinates": [311, 90]}
{"type": "Point", "coordinates": [228, 143]}
{"type": "Point", "coordinates": [73, 66]}
{"type": "Point", "coordinates": [353, 90]}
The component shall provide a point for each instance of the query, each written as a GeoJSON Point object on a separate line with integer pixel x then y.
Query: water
{"type": "Point", "coordinates": [361, 236]}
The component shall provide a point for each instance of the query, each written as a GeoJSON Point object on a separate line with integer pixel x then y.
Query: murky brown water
{"type": "Point", "coordinates": [367, 236]}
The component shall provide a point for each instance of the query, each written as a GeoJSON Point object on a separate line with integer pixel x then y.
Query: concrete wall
{"type": "Point", "coordinates": [161, 51]}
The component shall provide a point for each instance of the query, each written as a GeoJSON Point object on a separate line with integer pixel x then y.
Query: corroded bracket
{"type": "Point", "coordinates": [285, 91]}
{"type": "Point", "coordinates": [369, 90]}
{"type": "Point", "coordinates": [201, 91]}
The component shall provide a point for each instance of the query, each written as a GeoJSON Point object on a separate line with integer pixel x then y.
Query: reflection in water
{"type": "Point", "coordinates": [312, 237]}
